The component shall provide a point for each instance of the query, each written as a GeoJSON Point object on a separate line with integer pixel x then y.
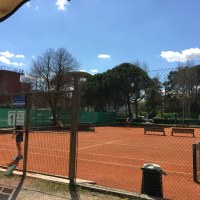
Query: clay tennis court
{"type": "Point", "coordinates": [113, 157]}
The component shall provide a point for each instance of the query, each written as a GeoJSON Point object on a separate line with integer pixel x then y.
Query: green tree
{"type": "Point", "coordinates": [93, 92]}
{"type": "Point", "coordinates": [154, 98]}
{"type": "Point", "coordinates": [128, 83]}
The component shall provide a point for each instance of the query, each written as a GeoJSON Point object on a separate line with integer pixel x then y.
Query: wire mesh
{"type": "Point", "coordinates": [196, 162]}
{"type": "Point", "coordinates": [48, 132]}
{"type": "Point", "coordinates": [113, 112]}
{"type": "Point", "coordinates": [114, 154]}
{"type": "Point", "coordinates": [49, 137]}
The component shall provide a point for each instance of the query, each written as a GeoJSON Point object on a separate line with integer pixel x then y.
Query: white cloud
{"type": "Point", "coordinates": [17, 64]}
{"type": "Point", "coordinates": [7, 54]}
{"type": "Point", "coordinates": [82, 70]}
{"type": "Point", "coordinates": [20, 56]}
{"type": "Point", "coordinates": [104, 56]}
{"type": "Point", "coordinates": [185, 55]}
{"type": "Point", "coordinates": [28, 4]}
{"type": "Point", "coordinates": [62, 4]}
{"type": "Point", "coordinates": [6, 58]}
{"type": "Point", "coordinates": [8, 62]}
{"type": "Point", "coordinates": [94, 71]}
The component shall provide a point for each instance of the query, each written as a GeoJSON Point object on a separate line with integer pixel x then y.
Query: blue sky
{"type": "Point", "coordinates": [101, 34]}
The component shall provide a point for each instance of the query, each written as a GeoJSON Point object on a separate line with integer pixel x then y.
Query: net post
{"type": "Point", "coordinates": [194, 147]}
{"type": "Point", "coordinates": [27, 125]}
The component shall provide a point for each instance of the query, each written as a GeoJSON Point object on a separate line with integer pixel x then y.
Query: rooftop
{"type": "Point", "coordinates": [11, 69]}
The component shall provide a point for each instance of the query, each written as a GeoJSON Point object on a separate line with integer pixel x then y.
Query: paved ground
{"type": "Point", "coordinates": [17, 188]}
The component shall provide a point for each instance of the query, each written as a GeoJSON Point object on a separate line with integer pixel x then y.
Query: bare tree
{"type": "Point", "coordinates": [50, 72]}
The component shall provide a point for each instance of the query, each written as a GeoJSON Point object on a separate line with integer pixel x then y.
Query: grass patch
{"type": "Point", "coordinates": [49, 185]}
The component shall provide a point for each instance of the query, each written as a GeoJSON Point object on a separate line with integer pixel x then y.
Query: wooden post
{"type": "Point", "coordinates": [74, 130]}
{"type": "Point", "coordinates": [27, 125]}
{"type": "Point", "coordinates": [194, 149]}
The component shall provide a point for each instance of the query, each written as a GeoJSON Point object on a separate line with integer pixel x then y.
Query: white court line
{"type": "Point", "coordinates": [113, 142]}
{"type": "Point", "coordinates": [36, 149]}
{"type": "Point", "coordinates": [67, 152]}
{"type": "Point", "coordinates": [112, 163]}
{"type": "Point", "coordinates": [154, 148]}
{"type": "Point", "coordinates": [127, 158]}
{"type": "Point", "coordinates": [132, 166]}
{"type": "Point", "coordinates": [61, 156]}
{"type": "Point", "coordinates": [109, 163]}
{"type": "Point", "coordinates": [101, 144]}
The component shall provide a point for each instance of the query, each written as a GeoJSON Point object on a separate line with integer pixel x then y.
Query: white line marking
{"type": "Point", "coordinates": [101, 144]}
{"type": "Point", "coordinates": [127, 158]}
{"type": "Point", "coordinates": [114, 141]}
{"type": "Point", "coordinates": [132, 166]}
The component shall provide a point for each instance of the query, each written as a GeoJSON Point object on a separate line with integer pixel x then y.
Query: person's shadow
{"type": "Point", "coordinates": [74, 194]}
{"type": "Point", "coordinates": [18, 189]}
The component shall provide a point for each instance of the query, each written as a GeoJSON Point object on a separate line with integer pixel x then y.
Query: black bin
{"type": "Point", "coordinates": [152, 180]}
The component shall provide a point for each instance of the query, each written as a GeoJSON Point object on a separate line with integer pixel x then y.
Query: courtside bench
{"type": "Point", "coordinates": [82, 126]}
{"type": "Point", "coordinates": [183, 130]}
{"type": "Point", "coordinates": [154, 129]}
{"type": "Point", "coordinates": [86, 126]}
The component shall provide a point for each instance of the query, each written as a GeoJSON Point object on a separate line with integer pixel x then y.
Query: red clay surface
{"type": "Point", "coordinates": [113, 157]}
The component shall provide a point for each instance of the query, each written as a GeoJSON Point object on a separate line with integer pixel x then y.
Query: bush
{"type": "Point", "coordinates": [157, 120]}
{"type": "Point", "coordinates": [123, 119]}
{"type": "Point", "coordinates": [138, 120]}
{"type": "Point", "coordinates": [168, 115]}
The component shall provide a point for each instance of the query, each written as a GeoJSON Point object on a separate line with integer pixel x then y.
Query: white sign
{"type": "Point", "coordinates": [16, 118]}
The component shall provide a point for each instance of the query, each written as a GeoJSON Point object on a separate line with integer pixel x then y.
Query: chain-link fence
{"type": "Point", "coordinates": [108, 128]}
{"type": "Point", "coordinates": [157, 115]}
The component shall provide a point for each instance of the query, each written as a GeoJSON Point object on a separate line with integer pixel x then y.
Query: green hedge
{"type": "Point", "coordinates": [178, 121]}
{"type": "Point", "coordinates": [168, 115]}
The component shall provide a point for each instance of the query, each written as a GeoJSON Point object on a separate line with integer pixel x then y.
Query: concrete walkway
{"type": "Point", "coordinates": [42, 187]}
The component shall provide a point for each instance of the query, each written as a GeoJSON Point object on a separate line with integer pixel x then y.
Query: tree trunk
{"type": "Point", "coordinates": [55, 117]}
{"type": "Point", "coordinates": [136, 108]}
{"type": "Point", "coordinates": [129, 108]}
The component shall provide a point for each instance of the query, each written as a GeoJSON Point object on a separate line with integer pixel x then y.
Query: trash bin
{"type": "Point", "coordinates": [152, 180]}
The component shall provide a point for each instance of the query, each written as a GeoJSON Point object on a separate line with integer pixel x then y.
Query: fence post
{"type": "Point", "coordinates": [28, 105]}
{"type": "Point", "coordinates": [194, 163]}
{"type": "Point", "coordinates": [73, 134]}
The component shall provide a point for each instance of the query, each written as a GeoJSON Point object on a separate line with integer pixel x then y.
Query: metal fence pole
{"type": "Point", "coordinates": [194, 147]}
{"type": "Point", "coordinates": [28, 97]}
{"type": "Point", "coordinates": [73, 135]}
